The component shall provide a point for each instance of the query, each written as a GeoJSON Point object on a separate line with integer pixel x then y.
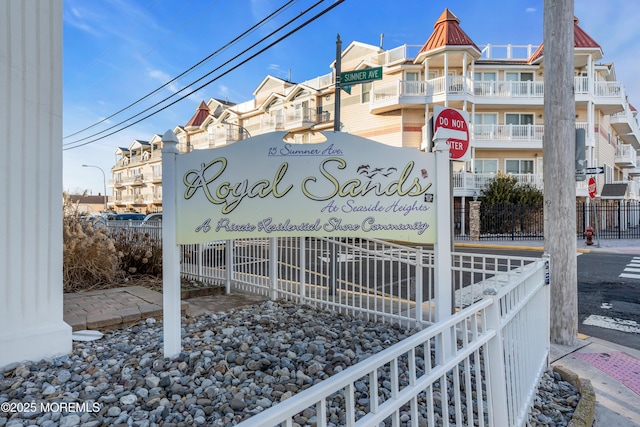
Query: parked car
{"type": "Point", "coordinates": [152, 220]}
{"type": "Point", "coordinates": [107, 217]}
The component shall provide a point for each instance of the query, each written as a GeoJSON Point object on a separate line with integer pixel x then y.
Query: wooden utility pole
{"type": "Point", "coordinates": [559, 169]}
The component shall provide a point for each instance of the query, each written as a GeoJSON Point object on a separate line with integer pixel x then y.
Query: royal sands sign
{"type": "Point", "coordinates": [347, 186]}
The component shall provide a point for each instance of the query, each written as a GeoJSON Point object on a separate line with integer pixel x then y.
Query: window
{"type": "Point", "coordinates": [412, 76]}
{"type": "Point", "coordinates": [518, 166]}
{"type": "Point", "coordinates": [485, 76]}
{"type": "Point", "coordinates": [518, 119]}
{"type": "Point", "coordinates": [485, 166]}
{"type": "Point", "coordinates": [519, 76]}
{"type": "Point", "coordinates": [520, 125]}
{"type": "Point", "coordinates": [365, 97]}
{"type": "Point", "coordinates": [485, 125]}
{"type": "Point", "coordinates": [608, 174]}
{"type": "Point", "coordinates": [483, 83]}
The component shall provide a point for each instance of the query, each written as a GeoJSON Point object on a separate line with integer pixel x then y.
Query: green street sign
{"type": "Point", "coordinates": [361, 76]}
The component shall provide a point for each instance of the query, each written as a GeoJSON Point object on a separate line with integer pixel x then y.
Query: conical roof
{"type": "Point", "coordinates": [447, 32]}
{"type": "Point", "coordinates": [581, 40]}
{"type": "Point", "coordinates": [201, 114]}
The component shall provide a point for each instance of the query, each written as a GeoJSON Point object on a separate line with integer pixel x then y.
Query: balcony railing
{"type": "Point", "coordinates": [626, 156]}
{"type": "Point", "coordinates": [304, 118]}
{"type": "Point", "coordinates": [464, 85]}
{"type": "Point", "coordinates": [479, 181]}
{"type": "Point", "coordinates": [519, 133]}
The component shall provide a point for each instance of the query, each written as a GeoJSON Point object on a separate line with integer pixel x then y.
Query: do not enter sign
{"type": "Point", "coordinates": [455, 120]}
{"type": "Point", "coordinates": [592, 187]}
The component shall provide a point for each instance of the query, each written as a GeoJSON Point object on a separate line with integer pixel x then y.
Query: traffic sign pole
{"type": "Point", "coordinates": [336, 108]}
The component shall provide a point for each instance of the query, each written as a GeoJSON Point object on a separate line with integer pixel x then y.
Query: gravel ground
{"type": "Point", "coordinates": [233, 365]}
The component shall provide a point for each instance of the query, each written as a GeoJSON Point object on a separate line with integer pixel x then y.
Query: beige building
{"type": "Point", "coordinates": [500, 86]}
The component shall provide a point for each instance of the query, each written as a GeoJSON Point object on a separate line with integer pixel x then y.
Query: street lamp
{"type": "Point", "coordinates": [104, 180]}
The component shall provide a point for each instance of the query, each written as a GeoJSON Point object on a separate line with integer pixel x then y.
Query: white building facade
{"type": "Point", "coordinates": [500, 86]}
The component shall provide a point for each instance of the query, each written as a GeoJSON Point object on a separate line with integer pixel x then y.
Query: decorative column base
{"type": "Point", "coordinates": [35, 343]}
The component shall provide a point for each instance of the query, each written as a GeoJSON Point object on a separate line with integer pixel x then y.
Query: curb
{"type": "Point", "coordinates": [585, 412]}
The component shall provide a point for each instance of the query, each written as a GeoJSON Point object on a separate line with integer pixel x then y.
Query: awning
{"type": "Point", "coordinates": [614, 191]}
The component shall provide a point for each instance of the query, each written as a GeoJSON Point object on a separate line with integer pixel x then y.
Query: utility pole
{"type": "Point", "coordinates": [336, 114]}
{"type": "Point", "coordinates": [559, 169]}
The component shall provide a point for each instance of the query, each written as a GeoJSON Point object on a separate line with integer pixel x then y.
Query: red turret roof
{"type": "Point", "coordinates": [201, 114]}
{"type": "Point", "coordinates": [447, 32]}
{"type": "Point", "coordinates": [581, 40]}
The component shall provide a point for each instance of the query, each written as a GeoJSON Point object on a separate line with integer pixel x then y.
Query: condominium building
{"type": "Point", "coordinates": [500, 86]}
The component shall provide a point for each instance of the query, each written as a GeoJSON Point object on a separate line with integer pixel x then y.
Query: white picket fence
{"type": "Point", "coordinates": [490, 353]}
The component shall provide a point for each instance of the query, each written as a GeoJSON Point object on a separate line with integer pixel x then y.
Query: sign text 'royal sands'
{"type": "Point", "coordinates": [346, 186]}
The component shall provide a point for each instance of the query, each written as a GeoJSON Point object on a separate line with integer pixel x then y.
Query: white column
{"type": "Point", "coordinates": [31, 291]}
{"type": "Point", "coordinates": [442, 247]}
{"type": "Point", "coordinates": [170, 250]}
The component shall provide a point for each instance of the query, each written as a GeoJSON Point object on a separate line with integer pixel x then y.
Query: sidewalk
{"type": "Point", "coordinates": [605, 245]}
{"type": "Point", "coordinates": [614, 372]}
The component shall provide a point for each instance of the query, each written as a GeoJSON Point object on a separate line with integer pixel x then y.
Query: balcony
{"type": "Point", "coordinates": [626, 125]}
{"type": "Point", "coordinates": [626, 156]}
{"type": "Point", "coordinates": [635, 171]}
{"type": "Point", "coordinates": [134, 180]}
{"type": "Point", "coordinates": [271, 123]}
{"type": "Point", "coordinates": [466, 183]}
{"type": "Point", "coordinates": [609, 97]}
{"type": "Point", "coordinates": [507, 136]}
{"type": "Point", "coordinates": [116, 183]}
{"type": "Point", "coordinates": [304, 118]}
{"type": "Point", "coordinates": [389, 96]}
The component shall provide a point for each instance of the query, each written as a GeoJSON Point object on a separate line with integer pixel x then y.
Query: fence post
{"type": "Point", "coordinates": [273, 268]}
{"type": "Point", "coordinates": [496, 376]}
{"type": "Point", "coordinates": [170, 250]}
{"type": "Point", "coordinates": [229, 267]}
{"type": "Point", "coordinates": [303, 269]}
{"type": "Point", "coordinates": [418, 284]}
{"type": "Point", "coordinates": [513, 222]}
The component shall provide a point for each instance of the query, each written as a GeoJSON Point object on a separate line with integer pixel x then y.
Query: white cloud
{"type": "Point", "coordinates": [530, 9]}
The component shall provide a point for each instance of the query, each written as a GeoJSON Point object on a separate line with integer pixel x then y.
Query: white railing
{"type": "Point", "coordinates": [346, 276]}
{"type": "Point", "coordinates": [508, 51]}
{"type": "Point", "coordinates": [490, 353]}
{"type": "Point", "coordinates": [509, 89]}
{"type": "Point", "coordinates": [464, 85]}
{"type": "Point", "coordinates": [380, 281]}
{"type": "Point", "coordinates": [519, 133]}
{"type": "Point", "coordinates": [479, 181]}
{"type": "Point", "coordinates": [626, 153]}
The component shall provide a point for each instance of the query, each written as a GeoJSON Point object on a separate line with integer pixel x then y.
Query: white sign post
{"type": "Point", "coordinates": [171, 298]}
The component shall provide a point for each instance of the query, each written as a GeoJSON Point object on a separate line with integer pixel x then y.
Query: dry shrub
{"type": "Point", "coordinates": [96, 258]}
{"type": "Point", "coordinates": [140, 255]}
{"type": "Point", "coordinates": [90, 258]}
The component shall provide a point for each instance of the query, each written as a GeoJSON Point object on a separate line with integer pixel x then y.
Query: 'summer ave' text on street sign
{"type": "Point", "coordinates": [361, 76]}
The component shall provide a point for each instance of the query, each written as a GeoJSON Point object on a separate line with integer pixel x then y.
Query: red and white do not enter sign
{"type": "Point", "coordinates": [449, 118]}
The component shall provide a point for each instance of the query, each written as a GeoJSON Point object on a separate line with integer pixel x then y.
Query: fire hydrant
{"type": "Point", "coordinates": [588, 233]}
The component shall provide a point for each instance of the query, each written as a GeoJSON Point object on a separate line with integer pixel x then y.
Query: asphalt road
{"type": "Point", "coordinates": [608, 303]}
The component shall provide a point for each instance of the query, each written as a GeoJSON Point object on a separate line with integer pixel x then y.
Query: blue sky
{"type": "Point", "coordinates": [117, 51]}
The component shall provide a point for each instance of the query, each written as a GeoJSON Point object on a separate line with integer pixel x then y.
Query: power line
{"type": "Point", "coordinates": [232, 42]}
{"type": "Point", "coordinates": [338, 2]}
